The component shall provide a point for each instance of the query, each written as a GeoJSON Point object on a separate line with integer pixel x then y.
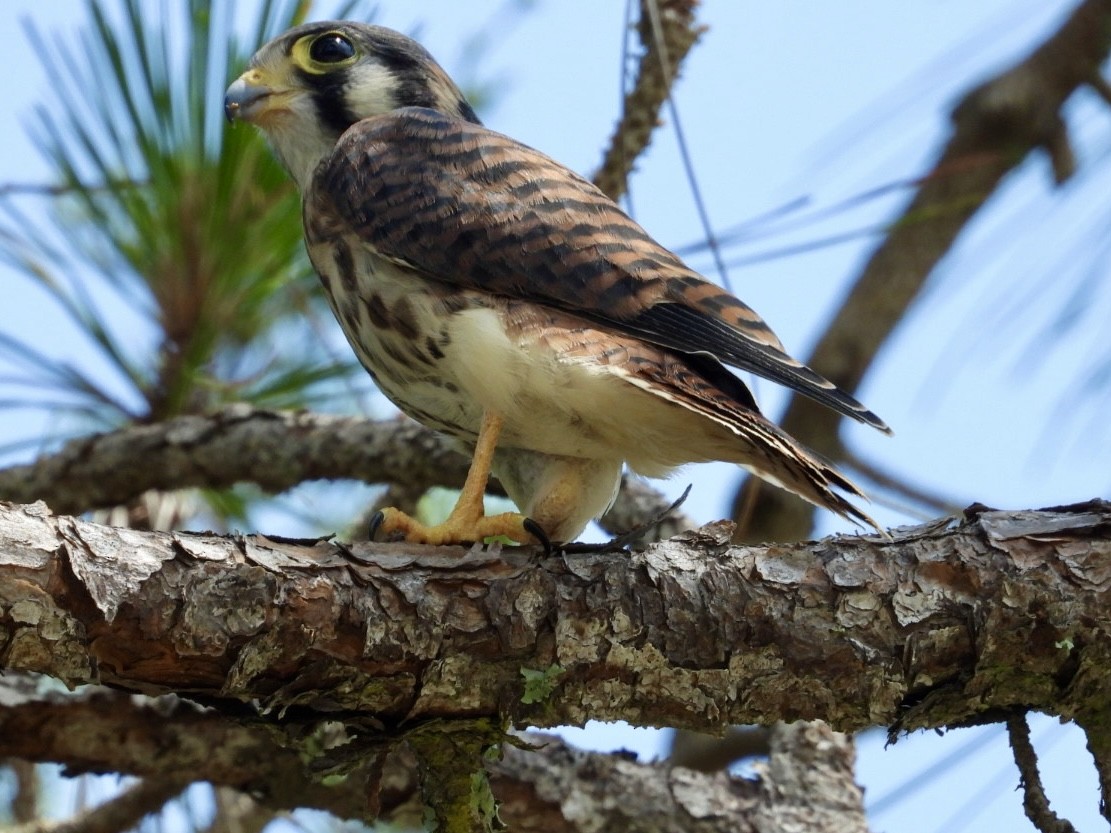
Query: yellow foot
{"type": "Point", "coordinates": [393, 524]}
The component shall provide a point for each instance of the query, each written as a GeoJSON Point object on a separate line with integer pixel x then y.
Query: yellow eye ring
{"type": "Point", "coordinates": [325, 52]}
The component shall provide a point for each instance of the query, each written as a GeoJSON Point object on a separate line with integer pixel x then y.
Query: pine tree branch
{"type": "Point", "coordinates": [1034, 801]}
{"type": "Point", "coordinates": [318, 663]}
{"type": "Point", "coordinates": [541, 783]}
{"type": "Point", "coordinates": [25, 801]}
{"type": "Point", "coordinates": [665, 48]}
{"type": "Point", "coordinates": [275, 450]}
{"type": "Point", "coordinates": [937, 627]}
{"type": "Point", "coordinates": [284, 766]}
{"type": "Point", "coordinates": [1097, 727]}
{"type": "Point", "coordinates": [995, 127]}
{"type": "Point", "coordinates": [119, 813]}
{"type": "Point", "coordinates": [549, 788]}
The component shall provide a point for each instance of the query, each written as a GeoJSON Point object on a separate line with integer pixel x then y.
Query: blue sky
{"type": "Point", "coordinates": [821, 101]}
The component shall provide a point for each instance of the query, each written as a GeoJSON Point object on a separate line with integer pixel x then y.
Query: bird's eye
{"type": "Point", "coordinates": [332, 48]}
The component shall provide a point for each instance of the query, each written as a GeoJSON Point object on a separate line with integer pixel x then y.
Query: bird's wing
{"type": "Point", "coordinates": [473, 208]}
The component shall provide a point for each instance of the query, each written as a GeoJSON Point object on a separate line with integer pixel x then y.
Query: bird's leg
{"type": "Point", "coordinates": [467, 521]}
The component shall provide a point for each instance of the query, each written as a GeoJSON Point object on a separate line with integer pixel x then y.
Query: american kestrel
{"type": "Point", "coordinates": [499, 297]}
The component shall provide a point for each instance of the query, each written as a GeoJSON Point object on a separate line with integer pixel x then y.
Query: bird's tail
{"type": "Point", "coordinates": [787, 463]}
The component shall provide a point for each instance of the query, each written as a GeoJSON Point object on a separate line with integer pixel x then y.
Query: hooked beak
{"type": "Point", "coordinates": [246, 98]}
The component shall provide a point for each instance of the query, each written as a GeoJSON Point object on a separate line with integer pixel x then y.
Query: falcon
{"type": "Point", "coordinates": [500, 298]}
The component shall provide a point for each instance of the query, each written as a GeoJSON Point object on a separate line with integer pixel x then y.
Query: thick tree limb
{"type": "Point", "coordinates": [666, 44]}
{"type": "Point", "coordinates": [798, 789]}
{"type": "Point", "coordinates": [275, 450]}
{"type": "Point", "coordinates": [541, 784]}
{"type": "Point", "coordinates": [107, 731]}
{"type": "Point", "coordinates": [937, 627]}
{"type": "Point", "coordinates": [995, 127]}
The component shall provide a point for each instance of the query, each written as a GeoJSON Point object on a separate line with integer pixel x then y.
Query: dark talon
{"type": "Point", "coordinates": [533, 529]}
{"type": "Point", "coordinates": [376, 522]}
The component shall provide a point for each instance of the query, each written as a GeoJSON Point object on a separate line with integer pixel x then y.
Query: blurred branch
{"type": "Point", "coordinates": [995, 127]}
{"type": "Point", "coordinates": [541, 783]}
{"type": "Point", "coordinates": [1034, 800]}
{"type": "Point", "coordinates": [1102, 88]}
{"type": "Point", "coordinates": [237, 812]}
{"type": "Point", "coordinates": [119, 813]}
{"type": "Point", "coordinates": [611, 792]}
{"type": "Point", "coordinates": [665, 48]}
{"type": "Point", "coordinates": [710, 753]}
{"type": "Point", "coordinates": [41, 189]}
{"type": "Point", "coordinates": [1095, 725]}
{"type": "Point", "coordinates": [638, 503]}
{"type": "Point", "coordinates": [25, 802]}
{"type": "Point", "coordinates": [158, 739]}
{"type": "Point", "coordinates": [896, 485]}
{"type": "Point", "coordinates": [275, 450]}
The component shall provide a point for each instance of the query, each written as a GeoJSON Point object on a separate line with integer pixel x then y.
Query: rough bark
{"type": "Point", "coordinates": [283, 763]}
{"type": "Point", "coordinates": [941, 625]}
{"type": "Point", "coordinates": [337, 678]}
{"type": "Point", "coordinates": [995, 127]}
{"type": "Point", "coordinates": [274, 450]}
{"type": "Point", "coordinates": [807, 784]}
{"type": "Point", "coordinates": [350, 770]}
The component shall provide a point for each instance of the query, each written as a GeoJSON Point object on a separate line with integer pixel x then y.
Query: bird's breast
{"type": "Point", "coordinates": [444, 355]}
{"type": "Point", "coordinates": [398, 324]}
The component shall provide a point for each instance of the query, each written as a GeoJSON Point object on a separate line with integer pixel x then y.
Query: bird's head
{"type": "Point", "coordinates": [306, 87]}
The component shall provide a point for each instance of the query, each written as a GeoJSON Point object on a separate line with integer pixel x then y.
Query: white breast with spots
{"type": "Point", "coordinates": [443, 356]}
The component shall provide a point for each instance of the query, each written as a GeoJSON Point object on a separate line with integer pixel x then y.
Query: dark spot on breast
{"type": "Point", "coordinates": [405, 320]}
{"type": "Point", "coordinates": [433, 348]}
{"type": "Point", "coordinates": [345, 265]}
{"type": "Point", "coordinates": [379, 314]}
{"type": "Point", "coordinates": [369, 370]}
{"type": "Point", "coordinates": [350, 318]}
{"type": "Point", "coordinates": [400, 354]}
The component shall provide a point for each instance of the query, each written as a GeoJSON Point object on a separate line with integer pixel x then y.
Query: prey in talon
{"type": "Point", "coordinates": [499, 297]}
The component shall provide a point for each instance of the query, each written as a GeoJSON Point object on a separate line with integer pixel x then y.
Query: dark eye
{"type": "Point", "coordinates": [332, 48]}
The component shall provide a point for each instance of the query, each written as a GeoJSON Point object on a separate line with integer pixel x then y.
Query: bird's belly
{"type": "Point", "coordinates": [445, 355]}
{"type": "Point", "coordinates": [547, 403]}
{"type": "Point", "coordinates": [551, 401]}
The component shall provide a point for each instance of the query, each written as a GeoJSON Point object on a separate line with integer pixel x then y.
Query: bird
{"type": "Point", "coordinates": [498, 297]}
